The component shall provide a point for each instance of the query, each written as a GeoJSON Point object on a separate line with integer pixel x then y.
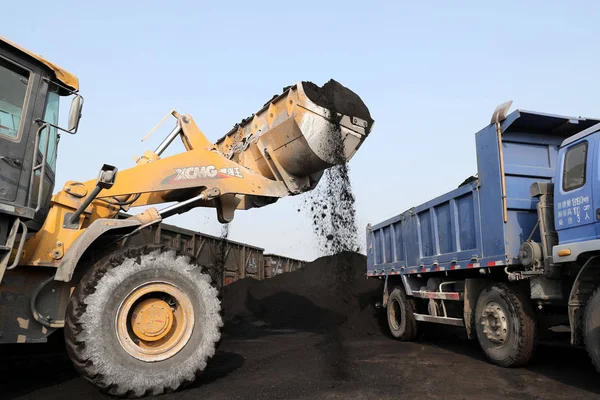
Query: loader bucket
{"type": "Point", "coordinates": [300, 133]}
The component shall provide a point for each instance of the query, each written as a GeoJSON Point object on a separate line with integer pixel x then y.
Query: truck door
{"type": "Point", "coordinates": [573, 209]}
{"type": "Point", "coordinates": [16, 91]}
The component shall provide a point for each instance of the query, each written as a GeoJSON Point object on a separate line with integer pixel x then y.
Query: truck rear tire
{"type": "Point", "coordinates": [143, 321]}
{"type": "Point", "coordinates": [505, 324]}
{"type": "Point", "coordinates": [401, 320]}
{"type": "Point", "coordinates": [591, 328]}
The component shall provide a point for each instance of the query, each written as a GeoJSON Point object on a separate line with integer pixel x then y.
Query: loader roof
{"type": "Point", "coordinates": [63, 76]}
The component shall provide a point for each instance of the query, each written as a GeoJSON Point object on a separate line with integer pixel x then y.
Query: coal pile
{"type": "Point", "coordinates": [328, 294]}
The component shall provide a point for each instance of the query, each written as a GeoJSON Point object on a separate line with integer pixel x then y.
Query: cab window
{"type": "Point", "coordinates": [51, 116]}
{"type": "Point", "coordinates": [13, 87]}
{"type": "Point", "coordinates": [574, 167]}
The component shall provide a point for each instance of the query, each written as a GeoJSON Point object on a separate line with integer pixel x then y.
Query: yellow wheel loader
{"type": "Point", "coordinates": [140, 320]}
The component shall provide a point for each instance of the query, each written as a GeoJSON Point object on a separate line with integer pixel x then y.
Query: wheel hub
{"type": "Point", "coordinates": [495, 326]}
{"type": "Point", "coordinates": [152, 319]}
{"type": "Point", "coordinates": [155, 321]}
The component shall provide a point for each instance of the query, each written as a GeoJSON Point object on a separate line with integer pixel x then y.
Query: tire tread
{"type": "Point", "coordinates": [527, 337]}
{"type": "Point", "coordinates": [591, 347]}
{"type": "Point", "coordinates": [77, 308]}
{"type": "Point", "coordinates": [407, 308]}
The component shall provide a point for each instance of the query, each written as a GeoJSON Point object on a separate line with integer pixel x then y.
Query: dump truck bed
{"type": "Point", "coordinates": [465, 228]}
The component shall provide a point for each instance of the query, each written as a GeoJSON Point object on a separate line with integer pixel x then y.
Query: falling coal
{"type": "Point", "coordinates": [220, 257]}
{"type": "Point", "coordinates": [332, 203]}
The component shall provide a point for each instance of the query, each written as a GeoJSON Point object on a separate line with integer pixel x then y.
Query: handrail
{"type": "Point", "coordinates": [35, 167]}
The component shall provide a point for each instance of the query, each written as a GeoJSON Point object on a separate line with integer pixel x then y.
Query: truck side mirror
{"type": "Point", "coordinates": [75, 114]}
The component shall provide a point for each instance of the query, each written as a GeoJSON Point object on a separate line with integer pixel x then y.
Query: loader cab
{"type": "Point", "coordinates": [30, 92]}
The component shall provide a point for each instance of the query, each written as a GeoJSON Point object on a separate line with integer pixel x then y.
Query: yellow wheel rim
{"type": "Point", "coordinates": [155, 321]}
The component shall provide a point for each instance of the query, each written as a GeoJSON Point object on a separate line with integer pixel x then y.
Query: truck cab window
{"type": "Point", "coordinates": [13, 87]}
{"type": "Point", "coordinates": [574, 167]}
{"type": "Point", "coordinates": [51, 116]}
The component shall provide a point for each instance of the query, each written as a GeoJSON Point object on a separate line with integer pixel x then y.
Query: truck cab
{"type": "Point", "coordinates": [577, 196]}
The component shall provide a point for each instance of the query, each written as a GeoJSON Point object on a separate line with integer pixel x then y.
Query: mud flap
{"type": "Point", "coordinates": [472, 289]}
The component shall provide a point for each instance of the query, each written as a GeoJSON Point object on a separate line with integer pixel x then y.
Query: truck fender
{"type": "Point", "coordinates": [96, 229]}
{"type": "Point", "coordinates": [583, 286]}
{"type": "Point", "coordinates": [473, 288]}
{"type": "Point", "coordinates": [387, 288]}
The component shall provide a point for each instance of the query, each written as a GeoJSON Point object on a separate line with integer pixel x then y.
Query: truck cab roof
{"type": "Point", "coordinates": [549, 124]}
{"type": "Point", "coordinates": [586, 132]}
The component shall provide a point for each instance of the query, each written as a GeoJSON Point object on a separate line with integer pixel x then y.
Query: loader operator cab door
{"type": "Point", "coordinates": [17, 102]}
{"type": "Point", "coordinates": [22, 101]}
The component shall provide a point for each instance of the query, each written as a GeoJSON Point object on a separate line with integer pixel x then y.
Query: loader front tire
{"type": "Point", "coordinates": [143, 321]}
{"type": "Point", "coordinates": [402, 322]}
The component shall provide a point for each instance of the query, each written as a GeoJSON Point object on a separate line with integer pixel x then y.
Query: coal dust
{"type": "Point", "coordinates": [220, 257]}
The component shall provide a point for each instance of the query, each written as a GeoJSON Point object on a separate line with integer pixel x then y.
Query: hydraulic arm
{"type": "Point", "coordinates": [281, 150]}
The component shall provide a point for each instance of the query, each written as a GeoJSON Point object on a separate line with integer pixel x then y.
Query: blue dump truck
{"type": "Point", "coordinates": [511, 252]}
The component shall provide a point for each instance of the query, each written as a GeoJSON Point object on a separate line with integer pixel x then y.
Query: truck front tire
{"type": "Point", "coordinates": [143, 321]}
{"type": "Point", "coordinates": [505, 324]}
{"type": "Point", "coordinates": [401, 320]}
{"type": "Point", "coordinates": [591, 328]}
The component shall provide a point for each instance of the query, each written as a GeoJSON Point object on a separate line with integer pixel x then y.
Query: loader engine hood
{"type": "Point", "coordinates": [300, 133]}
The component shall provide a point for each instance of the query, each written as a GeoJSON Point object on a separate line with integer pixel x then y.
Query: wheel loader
{"type": "Point", "coordinates": [140, 320]}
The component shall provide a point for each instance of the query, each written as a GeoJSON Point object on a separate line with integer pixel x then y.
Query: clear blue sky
{"type": "Point", "coordinates": [430, 72]}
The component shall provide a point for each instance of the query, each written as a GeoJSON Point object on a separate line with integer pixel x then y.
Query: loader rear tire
{"type": "Point", "coordinates": [143, 321]}
{"type": "Point", "coordinates": [505, 324]}
{"type": "Point", "coordinates": [401, 320]}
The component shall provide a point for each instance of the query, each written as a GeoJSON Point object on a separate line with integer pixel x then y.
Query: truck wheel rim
{"type": "Point", "coordinates": [494, 322]}
{"type": "Point", "coordinates": [395, 315]}
{"type": "Point", "coordinates": [154, 321]}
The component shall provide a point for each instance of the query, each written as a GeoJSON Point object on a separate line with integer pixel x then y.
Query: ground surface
{"type": "Point", "coordinates": [299, 336]}
{"type": "Point", "coordinates": [306, 365]}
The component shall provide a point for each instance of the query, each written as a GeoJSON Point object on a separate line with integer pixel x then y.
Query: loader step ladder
{"type": "Point", "coordinates": [6, 250]}
{"type": "Point", "coordinates": [37, 193]}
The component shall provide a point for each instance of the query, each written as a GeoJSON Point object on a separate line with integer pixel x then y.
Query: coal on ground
{"type": "Point", "coordinates": [328, 294]}
{"type": "Point", "coordinates": [295, 336]}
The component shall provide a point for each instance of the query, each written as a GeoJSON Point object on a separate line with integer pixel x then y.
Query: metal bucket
{"type": "Point", "coordinates": [300, 133]}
